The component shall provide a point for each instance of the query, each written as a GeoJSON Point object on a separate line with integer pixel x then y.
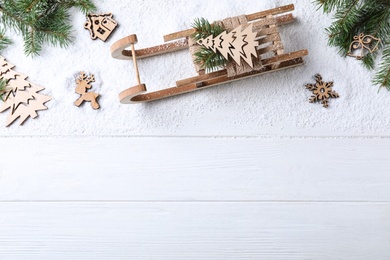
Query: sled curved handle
{"type": "Point", "coordinates": [132, 95]}
{"type": "Point", "coordinates": [118, 49]}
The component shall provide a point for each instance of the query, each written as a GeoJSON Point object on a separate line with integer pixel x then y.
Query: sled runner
{"type": "Point", "coordinates": [267, 54]}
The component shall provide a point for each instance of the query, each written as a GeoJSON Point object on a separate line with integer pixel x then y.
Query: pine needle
{"type": "Point", "coordinates": [208, 59]}
{"type": "Point", "coordinates": [382, 76]}
{"type": "Point", "coordinates": [3, 88]}
{"type": "Point", "coordinates": [4, 40]}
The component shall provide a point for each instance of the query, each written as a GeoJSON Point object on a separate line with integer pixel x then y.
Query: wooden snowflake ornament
{"type": "Point", "coordinates": [23, 97]}
{"type": "Point", "coordinates": [82, 86]}
{"type": "Point", "coordinates": [100, 26]}
{"type": "Point", "coordinates": [322, 91]}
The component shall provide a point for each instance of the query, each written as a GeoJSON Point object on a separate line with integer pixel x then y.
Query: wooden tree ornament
{"type": "Point", "coordinates": [23, 98]}
{"type": "Point", "coordinates": [100, 26]}
{"type": "Point", "coordinates": [258, 44]}
{"type": "Point", "coordinates": [82, 86]}
{"type": "Point", "coordinates": [238, 44]}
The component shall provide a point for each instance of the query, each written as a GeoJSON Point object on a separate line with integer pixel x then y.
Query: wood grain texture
{"type": "Point", "coordinates": [195, 169]}
{"type": "Point", "coordinates": [283, 19]}
{"type": "Point", "coordinates": [281, 231]}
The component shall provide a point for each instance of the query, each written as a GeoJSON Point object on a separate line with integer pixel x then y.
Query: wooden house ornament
{"type": "Point", "coordinates": [100, 26]}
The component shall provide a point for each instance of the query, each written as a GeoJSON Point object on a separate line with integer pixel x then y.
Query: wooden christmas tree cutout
{"type": "Point", "coordinates": [23, 98]}
{"type": "Point", "coordinates": [239, 44]}
{"type": "Point", "coordinates": [82, 86]}
{"type": "Point", "coordinates": [259, 46]}
{"type": "Point", "coordinates": [322, 91]}
{"type": "Point", "coordinates": [100, 26]}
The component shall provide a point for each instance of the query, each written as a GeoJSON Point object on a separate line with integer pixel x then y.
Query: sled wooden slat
{"type": "Point", "coordinates": [275, 11]}
{"type": "Point", "coordinates": [283, 19]}
{"type": "Point", "coordinates": [174, 91]}
{"type": "Point", "coordinates": [269, 38]}
{"type": "Point", "coordinates": [267, 31]}
{"type": "Point", "coordinates": [280, 20]}
{"type": "Point", "coordinates": [201, 78]}
{"type": "Point", "coordinates": [266, 49]}
{"type": "Point", "coordinates": [217, 74]}
{"type": "Point", "coordinates": [285, 57]}
{"type": "Point", "coordinates": [119, 51]}
{"type": "Point", "coordinates": [261, 23]}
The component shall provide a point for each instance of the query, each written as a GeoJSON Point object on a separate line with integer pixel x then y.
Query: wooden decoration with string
{"type": "Point", "coordinates": [362, 45]}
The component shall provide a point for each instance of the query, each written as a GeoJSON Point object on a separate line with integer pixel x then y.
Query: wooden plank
{"type": "Point", "coordinates": [209, 230]}
{"type": "Point", "coordinates": [285, 19]}
{"type": "Point", "coordinates": [196, 169]}
{"type": "Point", "coordinates": [179, 35]}
{"type": "Point", "coordinates": [274, 11]}
{"type": "Point", "coordinates": [266, 49]}
{"type": "Point", "coordinates": [267, 31]}
{"type": "Point", "coordinates": [284, 57]}
{"type": "Point", "coordinates": [269, 38]}
{"type": "Point", "coordinates": [200, 78]}
{"type": "Point", "coordinates": [280, 20]}
{"type": "Point", "coordinates": [119, 51]}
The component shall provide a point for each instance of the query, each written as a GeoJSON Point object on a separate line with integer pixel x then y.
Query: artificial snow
{"type": "Point", "coordinates": [275, 104]}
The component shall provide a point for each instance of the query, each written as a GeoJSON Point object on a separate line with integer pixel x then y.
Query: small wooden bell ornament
{"type": "Point", "coordinates": [362, 45]}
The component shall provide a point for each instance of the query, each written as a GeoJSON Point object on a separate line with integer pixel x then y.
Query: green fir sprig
{"type": "Point", "coordinates": [382, 77]}
{"type": "Point", "coordinates": [40, 22]}
{"type": "Point", "coordinates": [352, 17]}
{"type": "Point", "coordinates": [4, 40]}
{"type": "Point", "coordinates": [208, 59]}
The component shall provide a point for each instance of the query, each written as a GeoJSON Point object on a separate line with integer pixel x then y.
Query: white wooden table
{"type": "Point", "coordinates": [248, 170]}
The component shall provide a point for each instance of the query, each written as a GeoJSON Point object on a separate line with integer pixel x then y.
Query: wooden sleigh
{"type": "Point", "coordinates": [270, 52]}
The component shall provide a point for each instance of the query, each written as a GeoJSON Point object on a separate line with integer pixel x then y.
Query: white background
{"type": "Point", "coordinates": [247, 170]}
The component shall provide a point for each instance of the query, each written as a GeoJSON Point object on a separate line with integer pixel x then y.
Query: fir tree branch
{"type": "Point", "coordinates": [3, 88]}
{"type": "Point", "coordinates": [371, 17]}
{"type": "Point", "coordinates": [382, 76]}
{"type": "Point", "coordinates": [40, 21]}
{"type": "Point", "coordinates": [208, 59]}
{"type": "Point", "coordinates": [32, 5]}
{"type": "Point", "coordinates": [4, 41]}
{"type": "Point", "coordinates": [328, 5]}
